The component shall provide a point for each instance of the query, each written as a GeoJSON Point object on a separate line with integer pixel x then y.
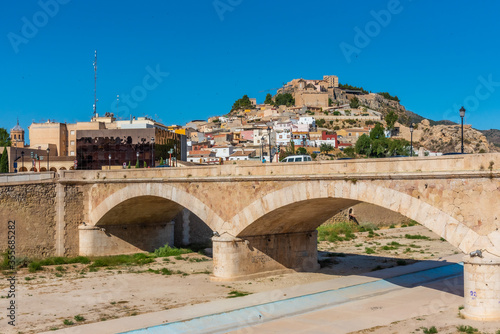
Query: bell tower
{"type": "Point", "coordinates": [17, 136]}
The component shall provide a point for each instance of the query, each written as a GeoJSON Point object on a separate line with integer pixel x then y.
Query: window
{"type": "Point", "coordinates": [72, 153]}
{"type": "Point", "coordinates": [72, 143]}
{"type": "Point", "coordinates": [298, 159]}
{"type": "Point", "coordinates": [72, 132]}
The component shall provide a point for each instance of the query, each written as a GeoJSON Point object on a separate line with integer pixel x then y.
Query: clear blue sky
{"type": "Point", "coordinates": [434, 55]}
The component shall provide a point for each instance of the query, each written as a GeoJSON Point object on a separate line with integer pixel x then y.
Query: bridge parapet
{"type": "Point", "coordinates": [391, 166]}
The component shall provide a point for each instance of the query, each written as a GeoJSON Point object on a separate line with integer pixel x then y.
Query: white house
{"type": "Point", "coordinates": [223, 152]}
{"type": "Point", "coordinates": [307, 120]}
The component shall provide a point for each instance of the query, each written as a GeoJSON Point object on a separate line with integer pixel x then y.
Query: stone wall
{"type": "Point", "coordinates": [73, 216]}
{"type": "Point", "coordinates": [190, 229]}
{"type": "Point", "coordinates": [32, 207]}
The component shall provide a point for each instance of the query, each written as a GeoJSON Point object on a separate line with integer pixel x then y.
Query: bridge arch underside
{"type": "Point", "coordinates": [298, 217]}
{"type": "Point", "coordinates": [278, 231]}
{"type": "Point", "coordinates": [138, 224]}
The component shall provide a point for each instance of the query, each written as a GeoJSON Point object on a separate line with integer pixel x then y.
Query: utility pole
{"type": "Point", "coordinates": [95, 83]}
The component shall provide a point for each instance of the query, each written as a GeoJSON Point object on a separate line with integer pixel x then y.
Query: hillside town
{"type": "Point", "coordinates": [321, 118]}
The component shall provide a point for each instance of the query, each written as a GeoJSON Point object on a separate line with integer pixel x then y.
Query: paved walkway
{"type": "Point", "coordinates": [306, 305]}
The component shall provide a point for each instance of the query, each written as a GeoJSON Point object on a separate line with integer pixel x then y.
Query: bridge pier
{"type": "Point", "coordinates": [263, 255]}
{"type": "Point", "coordinates": [124, 239]}
{"type": "Point", "coordinates": [481, 288]}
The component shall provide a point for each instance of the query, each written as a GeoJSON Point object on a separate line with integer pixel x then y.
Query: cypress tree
{"type": "Point", "coordinates": [4, 162]}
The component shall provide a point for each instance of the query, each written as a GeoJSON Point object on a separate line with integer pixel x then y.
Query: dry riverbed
{"type": "Point", "coordinates": [73, 294]}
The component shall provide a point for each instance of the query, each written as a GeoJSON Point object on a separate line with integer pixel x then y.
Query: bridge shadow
{"type": "Point", "coordinates": [439, 275]}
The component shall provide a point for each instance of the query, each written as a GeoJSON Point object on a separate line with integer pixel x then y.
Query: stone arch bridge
{"type": "Point", "coordinates": [264, 216]}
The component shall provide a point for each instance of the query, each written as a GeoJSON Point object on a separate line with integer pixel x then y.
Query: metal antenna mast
{"type": "Point", "coordinates": [95, 84]}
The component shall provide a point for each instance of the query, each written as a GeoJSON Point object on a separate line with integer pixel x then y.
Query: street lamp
{"type": "Point", "coordinates": [22, 159]}
{"type": "Point", "coordinates": [411, 139]}
{"type": "Point", "coordinates": [137, 164]}
{"type": "Point", "coordinates": [48, 159]}
{"type": "Point", "coordinates": [109, 161]}
{"type": "Point", "coordinates": [152, 152]}
{"type": "Point", "coordinates": [262, 148]}
{"type": "Point", "coordinates": [462, 114]}
{"type": "Point", "coordinates": [269, 138]}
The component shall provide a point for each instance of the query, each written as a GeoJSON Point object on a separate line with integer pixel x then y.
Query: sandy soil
{"type": "Point", "coordinates": [445, 319]}
{"type": "Point", "coordinates": [45, 299]}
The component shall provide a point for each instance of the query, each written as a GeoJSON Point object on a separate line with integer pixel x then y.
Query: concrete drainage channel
{"type": "Point", "coordinates": [254, 315]}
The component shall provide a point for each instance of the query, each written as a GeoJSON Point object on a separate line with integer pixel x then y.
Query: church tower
{"type": "Point", "coordinates": [17, 136]}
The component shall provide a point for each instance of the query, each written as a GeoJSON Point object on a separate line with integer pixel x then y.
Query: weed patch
{"type": "Point", "coordinates": [167, 251]}
{"type": "Point", "coordinates": [236, 293]}
{"type": "Point", "coordinates": [467, 329]}
{"type": "Point", "coordinates": [432, 330]}
{"type": "Point", "coordinates": [369, 250]}
{"type": "Point", "coordinates": [416, 236]}
{"type": "Point", "coordinates": [121, 260]}
{"type": "Point", "coordinates": [337, 232]}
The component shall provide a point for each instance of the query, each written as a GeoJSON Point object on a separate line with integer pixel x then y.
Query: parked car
{"type": "Point", "coordinates": [297, 158]}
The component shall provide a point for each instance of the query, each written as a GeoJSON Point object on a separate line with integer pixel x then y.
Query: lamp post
{"type": "Point", "coordinates": [411, 139]}
{"type": "Point", "coordinates": [152, 152]}
{"type": "Point", "coordinates": [48, 159]}
{"type": "Point", "coordinates": [462, 114]}
{"type": "Point", "coordinates": [22, 159]}
{"type": "Point", "coordinates": [175, 154]}
{"type": "Point", "coordinates": [269, 138]}
{"type": "Point", "coordinates": [262, 148]}
{"type": "Point", "coordinates": [109, 161]}
{"type": "Point", "coordinates": [137, 164]}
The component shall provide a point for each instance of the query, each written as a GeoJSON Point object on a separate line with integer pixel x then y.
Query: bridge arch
{"type": "Point", "coordinates": [265, 215]}
{"type": "Point", "coordinates": [156, 192]}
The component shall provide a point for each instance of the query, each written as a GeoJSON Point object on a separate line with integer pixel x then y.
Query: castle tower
{"type": "Point", "coordinates": [17, 136]}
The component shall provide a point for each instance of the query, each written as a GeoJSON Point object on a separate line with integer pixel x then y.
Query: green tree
{"type": "Point", "coordinates": [325, 148]}
{"type": "Point", "coordinates": [354, 103]}
{"type": "Point", "coordinates": [128, 166]}
{"type": "Point", "coordinates": [398, 147]}
{"type": "Point", "coordinates": [320, 122]}
{"type": "Point", "coordinates": [4, 138]}
{"type": "Point", "coordinates": [284, 100]}
{"type": "Point", "coordinates": [242, 103]}
{"type": "Point", "coordinates": [391, 119]}
{"type": "Point", "coordinates": [137, 163]}
{"type": "Point", "coordinates": [4, 162]}
{"type": "Point", "coordinates": [379, 148]}
{"type": "Point", "coordinates": [377, 132]}
{"type": "Point", "coordinates": [269, 99]}
{"type": "Point", "coordinates": [161, 161]}
{"type": "Point", "coordinates": [363, 145]}
{"type": "Point", "coordinates": [301, 150]}
{"type": "Point", "coordinates": [330, 102]}
{"type": "Point", "coordinates": [389, 96]}
{"type": "Point", "coordinates": [145, 164]}
{"type": "Point", "coordinates": [349, 151]}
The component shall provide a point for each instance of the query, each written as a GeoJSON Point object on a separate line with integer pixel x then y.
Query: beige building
{"type": "Point", "coordinates": [352, 135]}
{"type": "Point", "coordinates": [41, 134]}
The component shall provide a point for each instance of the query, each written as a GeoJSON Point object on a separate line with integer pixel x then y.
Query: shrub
{"type": "Point", "coordinates": [467, 329]}
{"type": "Point", "coordinates": [68, 322]}
{"type": "Point", "coordinates": [34, 267]}
{"type": "Point", "coordinates": [369, 250]}
{"type": "Point", "coordinates": [166, 251]}
{"type": "Point", "coordinates": [431, 330]}
{"type": "Point", "coordinates": [79, 318]}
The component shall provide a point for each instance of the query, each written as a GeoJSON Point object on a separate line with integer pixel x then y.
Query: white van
{"type": "Point", "coordinates": [297, 158]}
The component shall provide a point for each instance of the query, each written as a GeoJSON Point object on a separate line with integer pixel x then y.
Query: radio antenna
{"type": "Point", "coordinates": [95, 84]}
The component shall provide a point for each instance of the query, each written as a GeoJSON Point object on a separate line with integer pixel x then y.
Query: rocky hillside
{"type": "Point", "coordinates": [447, 139]}
{"type": "Point", "coordinates": [493, 137]}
